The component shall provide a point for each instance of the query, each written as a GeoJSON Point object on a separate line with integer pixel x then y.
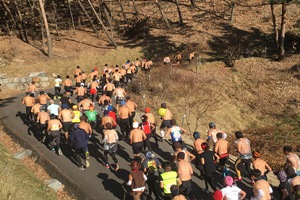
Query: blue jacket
{"type": "Point", "coordinates": [79, 138]}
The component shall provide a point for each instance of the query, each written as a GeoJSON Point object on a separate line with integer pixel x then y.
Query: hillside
{"type": "Point", "coordinates": [258, 95]}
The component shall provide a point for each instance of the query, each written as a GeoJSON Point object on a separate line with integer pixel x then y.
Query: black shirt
{"type": "Point", "coordinates": [209, 165]}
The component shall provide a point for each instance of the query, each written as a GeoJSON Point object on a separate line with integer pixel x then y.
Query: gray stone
{"type": "Point", "coordinates": [44, 79]}
{"type": "Point", "coordinates": [44, 84]}
{"type": "Point", "coordinates": [23, 80]}
{"type": "Point", "coordinates": [2, 76]}
{"type": "Point", "coordinates": [54, 184]}
{"type": "Point", "coordinates": [22, 154]}
{"type": "Point", "coordinates": [21, 86]}
{"type": "Point", "coordinates": [11, 85]}
{"type": "Point", "coordinates": [35, 74]}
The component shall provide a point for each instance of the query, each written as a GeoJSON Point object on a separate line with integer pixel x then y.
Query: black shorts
{"type": "Point", "coordinates": [137, 147]}
{"type": "Point", "coordinates": [119, 99]}
{"type": "Point", "coordinates": [67, 126]}
{"type": "Point", "coordinates": [223, 160]}
{"type": "Point", "coordinates": [68, 88]}
{"type": "Point", "coordinates": [165, 123]}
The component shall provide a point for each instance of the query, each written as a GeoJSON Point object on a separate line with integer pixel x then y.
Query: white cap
{"type": "Point", "coordinates": [81, 84]}
{"type": "Point", "coordinates": [135, 124]}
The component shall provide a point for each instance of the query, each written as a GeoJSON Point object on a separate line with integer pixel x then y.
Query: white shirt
{"type": "Point", "coordinates": [53, 108]}
{"type": "Point", "coordinates": [232, 193]}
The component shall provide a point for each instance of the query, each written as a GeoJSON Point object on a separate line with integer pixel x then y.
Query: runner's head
{"type": "Point", "coordinates": [128, 98]}
{"type": "Point", "coordinates": [163, 105]}
{"type": "Point", "coordinates": [135, 124]}
{"type": "Point", "coordinates": [51, 101]}
{"type": "Point", "coordinates": [196, 135]}
{"type": "Point", "coordinates": [287, 149]}
{"type": "Point", "coordinates": [219, 135]}
{"type": "Point", "coordinates": [205, 146]}
{"type": "Point", "coordinates": [108, 125]}
{"type": "Point", "coordinates": [228, 180]}
{"type": "Point", "coordinates": [75, 107]}
{"type": "Point", "coordinates": [81, 84]}
{"type": "Point", "coordinates": [147, 110]}
{"type": "Point", "coordinates": [238, 134]}
{"type": "Point", "coordinates": [256, 174]}
{"type": "Point", "coordinates": [256, 154]}
{"type": "Point", "coordinates": [148, 154]}
{"type": "Point", "coordinates": [144, 118]}
{"type": "Point", "coordinates": [82, 118]}
{"type": "Point", "coordinates": [212, 125]}
{"type": "Point", "coordinates": [52, 116]}
{"type": "Point", "coordinates": [91, 107]}
{"type": "Point", "coordinates": [135, 165]}
{"type": "Point", "coordinates": [177, 145]}
{"type": "Point", "coordinates": [167, 166]}
{"type": "Point", "coordinates": [173, 122]}
{"type": "Point", "coordinates": [217, 195]}
{"type": "Point", "coordinates": [181, 156]}
{"type": "Point", "coordinates": [32, 82]}
{"type": "Point", "coordinates": [42, 92]}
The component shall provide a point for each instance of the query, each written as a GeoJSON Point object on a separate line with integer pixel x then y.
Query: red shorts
{"type": "Point", "coordinates": [93, 91]}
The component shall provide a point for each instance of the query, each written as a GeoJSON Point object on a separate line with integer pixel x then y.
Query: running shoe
{"type": "Point", "coordinates": [59, 152]}
{"type": "Point", "coordinates": [87, 164]}
{"type": "Point", "coordinates": [117, 167]}
{"type": "Point", "coordinates": [107, 166]}
{"type": "Point", "coordinates": [87, 155]}
{"type": "Point", "coordinates": [81, 168]}
{"type": "Point", "coordinates": [53, 149]}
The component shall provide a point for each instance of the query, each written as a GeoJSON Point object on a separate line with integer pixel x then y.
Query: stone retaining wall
{"type": "Point", "coordinates": [41, 79]}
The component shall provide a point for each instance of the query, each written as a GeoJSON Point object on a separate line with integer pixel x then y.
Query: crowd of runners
{"type": "Point", "coordinates": [102, 105]}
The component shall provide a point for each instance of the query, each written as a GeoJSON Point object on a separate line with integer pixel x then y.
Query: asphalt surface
{"type": "Point", "coordinates": [95, 182]}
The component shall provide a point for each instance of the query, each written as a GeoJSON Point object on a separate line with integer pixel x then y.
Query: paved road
{"type": "Point", "coordinates": [95, 182]}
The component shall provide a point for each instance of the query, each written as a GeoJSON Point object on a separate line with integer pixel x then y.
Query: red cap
{"type": "Point", "coordinates": [147, 110]}
{"type": "Point", "coordinates": [217, 195]}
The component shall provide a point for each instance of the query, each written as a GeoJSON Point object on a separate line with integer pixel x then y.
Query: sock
{"type": "Point", "coordinates": [162, 133]}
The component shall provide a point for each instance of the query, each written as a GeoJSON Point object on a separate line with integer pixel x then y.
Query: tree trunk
{"type": "Point", "coordinates": [23, 28]}
{"type": "Point", "coordinates": [55, 16]}
{"type": "Point", "coordinates": [274, 23]}
{"type": "Point", "coordinates": [101, 23]}
{"type": "Point", "coordinates": [162, 14]}
{"type": "Point", "coordinates": [108, 17]}
{"type": "Point", "coordinates": [71, 15]}
{"type": "Point", "coordinates": [232, 13]}
{"type": "Point", "coordinates": [135, 9]}
{"type": "Point", "coordinates": [122, 10]}
{"type": "Point", "coordinates": [193, 4]}
{"type": "Point", "coordinates": [179, 13]}
{"type": "Point", "coordinates": [47, 29]}
{"type": "Point", "coordinates": [281, 50]}
{"type": "Point", "coordinates": [9, 12]}
{"type": "Point", "coordinates": [89, 18]}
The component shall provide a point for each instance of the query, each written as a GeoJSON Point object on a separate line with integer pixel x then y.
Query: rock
{"type": "Point", "coordinates": [21, 86]}
{"type": "Point", "coordinates": [36, 79]}
{"type": "Point", "coordinates": [54, 184]}
{"type": "Point", "coordinates": [44, 79]}
{"type": "Point", "coordinates": [3, 76]}
{"type": "Point", "coordinates": [4, 81]}
{"type": "Point", "coordinates": [11, 85]}
{"type": "Point", "coordinates": [44, 84]}
{"type": "Point", "coordinates": [37, 74]}
{"type": "Point", "coordinates": [17, 60]}
{"type": "Point", "coordinates": [21, 155]}
{"type": "Point", "coordinates": [54, 75]}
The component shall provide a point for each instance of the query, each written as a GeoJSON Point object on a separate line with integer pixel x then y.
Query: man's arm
{"type": "Point", "coordinates": [242, 194]}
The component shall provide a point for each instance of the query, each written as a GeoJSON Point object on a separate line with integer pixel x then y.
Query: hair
{"type": "Point", "coordinates": [42, 92]}
{"type": "Point", "coordinates": [287, 148]}
{"type": "Point", "coordinates": [144, 118]}
{"type": "Point", "coordinates": [67, 76]}
{"type": "Point", "coordinates": [173, 122]}
{"type": "Point", "coordinates": [256, 154]}
{"type": "Point", "coordinates": [256, 173]}
{"type": "Point", "coordinates": [32, 82]}
{"type": "Point", "coordinates": [58, 76]}
{"type": "Point", "coordinates": [238, 134]}
{"type": "Point", "coordinates": [167, 166]}
{"type": "Point", "coordinates": [163, 105]}
{"type": "Point", "coordinates": [52, 116]}
{"type": "Point", "coordinates": [31, 94]}
{"type": "Point", "coordinates": [128, 97]}
{"type": "Point", "coordinates": [105, 101]}
{"type": "Point", "coordinates": [135, 164]}
{"type": "Point", "coordinates": [219, 135]}
{"type": "Point", "coordinates": [83, 118]}
{"type": "Point", "coordinates": [177, 145]}
{"type": "Point", "coordinates": [78, 67]}
{"type": "Point", "coordinates": [108, 125]}
{"type": "Point", "coordinates": [181, 155]}
{"type": "Point", "coordinates": [205, 146]}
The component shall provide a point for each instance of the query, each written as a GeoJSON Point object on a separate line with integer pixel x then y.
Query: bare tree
{"type": "Point", "coordinates": [162, 14]}
{"type": "Point", "coordinates": [179, 13]}
{"type": "Point", "coordinates": [50, 53]}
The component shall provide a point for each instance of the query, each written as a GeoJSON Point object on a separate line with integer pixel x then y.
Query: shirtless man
{"type": "Point", "coordinates": [137, 64]}
{"type": "Point", "coordinates": [119, 93]}
{"type": "Point", "coordinates": [222, 149]}
{"type": "Point", "coordinates": [78, 79]}
{"type": "Point", "coordinates": [117, 77]}
{"type": "Point", "coordinates": [43, 98]}
{"type": "Point", "coordinates": [260, 164]}
{"type": "Point", "coordinates": [178, 148]}
{"type": "Point", "coordinates": [68, 85]}
{"type": "Point", "coordinates": [29, 101]}
{"type": "Point", "coordinates": [85, 103]}
{"type": "Point", "coordinates": [132, 107]}
{"type": "Point", "coordinates": [109, 88]}
{"type": "Point", "coordinates": [148, 66]}
{"type": "Point", "coordinates": [93, 88]}
{"type": "Point", "coordinates": [43, 118]}
{"type": "Point", "coordinates": [143, 64]}
{"type": "Point", "coordinates": [192, 55]}
{"type": "Point", "coordinates": [85, 126]}
{"type": "Point", "coordinates": [178, 58]}
{"type": "Point", "coordinates": [292, 159]}
{"type": "Point", "coordinates": [197, 144]}
{"type": "Point", "coordinates": [103, 98]}
{"type": "Point", "coordinates": [295, 184]}
{"type": "Point", "coordinates": [54, 126]}
{"type": "Point", "coordinates": [77, 71]}
{"type": "Point", "coordinates": [129, 72]}
{"type": "Point", "coordinates": [243, 148]}
{"type": "Point", "coordinates": [261, 188]}
{"type": "Point", "coordinates": [36, 109]}
{"type": "Point", "coordinates": [123, 76]}
{"type": "Point", "coordinates": [32, 88]}
{"type": "Point", "coordinates": [212, 132]}
{"type": "Point", "coordinates": [137, 137]}
{"type": "Point", "coordinates": [124, 115]}
{"type": "Point", "coordinates": [167, 60]}
{"type": "Point", "coordinates": [80, 91]}
{"type": "Point", "coordinates": [166, 123]}
{"type": "Point", "coordinates": [185, 172]}
{"type": "Point", "coordinates": [107, 119]}
{"type": "Point", "coordinates": [66, 116]}
{"type": "Point", "coordinates": [151, 119]}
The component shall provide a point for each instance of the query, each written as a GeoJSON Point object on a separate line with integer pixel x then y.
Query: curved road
{"type": "Point", "coordinates": [95, 182]}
